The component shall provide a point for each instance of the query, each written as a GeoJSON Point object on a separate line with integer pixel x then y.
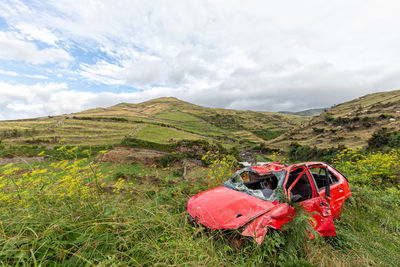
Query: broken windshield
{"type": "Point", "coordinates": [262, 186]}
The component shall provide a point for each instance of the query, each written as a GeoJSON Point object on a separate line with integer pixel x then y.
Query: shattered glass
{"type": "Point", "coordinates": [236, 182]}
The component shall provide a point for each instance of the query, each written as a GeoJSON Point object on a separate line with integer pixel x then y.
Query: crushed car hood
{"type": "Point", "coordinates": [224, 208]}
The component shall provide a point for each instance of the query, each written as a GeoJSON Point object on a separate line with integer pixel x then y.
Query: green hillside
{"type": "Point", "coordinates": [351, 123]}
{"type": "Point", "coordinates": [162, 120]}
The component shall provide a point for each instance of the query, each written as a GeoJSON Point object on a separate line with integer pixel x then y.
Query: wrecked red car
{"type": "Point", "coordinates": [254, 206]}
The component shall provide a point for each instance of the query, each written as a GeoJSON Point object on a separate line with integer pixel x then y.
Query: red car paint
{"type": "Point", "coordinates": [225, 208]}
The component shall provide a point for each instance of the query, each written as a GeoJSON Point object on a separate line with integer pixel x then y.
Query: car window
{"type": "Point", "coordinates": [302, 189]}
{"type": "Point", "coordinates": [292, 177]}
{"type": "Point", "coordinates": [333, 179]}
{"type": "Point", "coordinates": [319, 175]}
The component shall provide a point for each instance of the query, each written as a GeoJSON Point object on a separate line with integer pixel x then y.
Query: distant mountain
{"type": "Point", "coordinates": [308, 112]}
{"type": "Point", "coordinates": [351, 123]}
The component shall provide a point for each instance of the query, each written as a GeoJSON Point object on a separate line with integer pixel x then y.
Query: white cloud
{"type": "Point", "coordinates": [9, 73]}
{"type": "Point", "coordinates": [264, 55]}
{"type": "Point", "coordinates": [32, 32]}
{"type": "Point", "coordinates": [16, 74]}
{"type": "Point", "coordinates": [12, 48]}
{"type": "Point", "coordinates": [36, 76]}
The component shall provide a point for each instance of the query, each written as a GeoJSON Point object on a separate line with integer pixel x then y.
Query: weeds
{"type": "Point", "coordinates": [80, 213]}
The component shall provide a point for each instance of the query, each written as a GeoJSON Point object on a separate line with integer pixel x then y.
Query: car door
{"type": "Point", "coordinates": [322, 174]}
{"type": "Point", "coordinates": [313, 203]}
{"type": "Point", "coordinates": [339, 189]}
{"type": "Point", "coordinates": [321, 214]}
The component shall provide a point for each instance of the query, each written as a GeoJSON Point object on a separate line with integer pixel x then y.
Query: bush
{"type": "Point", "coordinates": [328, 117]}
{"type": "Point", "coordinates": [382, 138]}
{"type": "Point", "coordinates": [221, 168]}
{"type": "Point", "coordinates": [318, 130]}
{"type": "Point", "coordinates": [299, 152]}
{"type": "Point", "coordinates": [267, 134]}
{"type": "Point", "coordinates": [379, 139]}
{"type": "Point", "coordinates": [370, 168]}
{"type": "Point", "coordinates": [116, 119]}
{"type": "Point", "coordinates": [167, 159]}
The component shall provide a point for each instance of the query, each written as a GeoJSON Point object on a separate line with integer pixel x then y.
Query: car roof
{"type": "Point", "coordinates": [269, 167]}
{"type": "Point", "coordinates": [308, 163]}
{"type": "Point", "coordinates": [277, 166]}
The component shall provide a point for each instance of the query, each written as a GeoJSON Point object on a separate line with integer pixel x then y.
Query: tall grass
{"type": "Point", "coordinates": [70, 213]}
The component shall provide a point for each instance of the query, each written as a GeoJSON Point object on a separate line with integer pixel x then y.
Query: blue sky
{"type": "Point", "coordinates": [63, 56]}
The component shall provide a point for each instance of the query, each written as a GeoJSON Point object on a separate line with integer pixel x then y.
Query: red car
{"type": "Point", "coordinates": [253, 206]}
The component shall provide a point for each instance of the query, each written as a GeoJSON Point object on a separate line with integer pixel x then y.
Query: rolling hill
{"type": "Point", "coordinates": [351, 123]}
{"type": "Point", "coordinates": [307, 112]}
{"type": "Point", "coordinates": [163, 120]}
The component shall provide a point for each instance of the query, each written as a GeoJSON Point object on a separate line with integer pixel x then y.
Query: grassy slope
{"type": "Point", "coordinates": [323, 133]}
{"type": "Point", "coordinates": [143, 224]}
{"type": "Point", "coordinates": [158, 120]}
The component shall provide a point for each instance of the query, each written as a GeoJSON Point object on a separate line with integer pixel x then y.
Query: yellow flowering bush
{"type": "Point", "coordinates": [372, 168]}
{"type": "Point", "coordinates": [221, 168]}
{"type": "Point", "coordinates": [61, 181]}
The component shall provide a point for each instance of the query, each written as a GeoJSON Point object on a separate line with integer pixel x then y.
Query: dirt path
{"type": "Point", "coordinates": [136, 130]}
{"type": "Point", "coordinates": [20, 160]}
{"type": "Point", "coordinates": [58, 124]}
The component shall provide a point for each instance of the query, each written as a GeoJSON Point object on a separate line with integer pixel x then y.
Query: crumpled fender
{"type": "Point", "coordinates": [275, 218]}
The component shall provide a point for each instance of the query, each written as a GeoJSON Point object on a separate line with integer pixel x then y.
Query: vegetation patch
{"type": "Point", "coordinates": [134, 142]}
{"type": "Point", "coordinates": [224, 121]}
{"type": "Point", "coordinates": [117, 119]}
{"type": "Point", "coordinates": [58, 152]}
{"type": "Point", "coordinates": [267, 134]}
{"type": "Point", "coordinates": [299, 152]}
{"type": "Point", "coordinates": [384, 139]}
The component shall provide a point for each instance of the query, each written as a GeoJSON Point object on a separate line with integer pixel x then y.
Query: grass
{"type": "Point", "coordinates": [158, 134]}
{"type": "Point", "coordinates": [82, 214]}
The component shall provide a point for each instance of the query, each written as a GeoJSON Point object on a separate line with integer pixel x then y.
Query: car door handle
{"type": "Point", "coordinates": [340, 189]}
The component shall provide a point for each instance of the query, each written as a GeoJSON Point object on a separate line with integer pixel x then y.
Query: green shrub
{"type": "Point", "coordinates": [266, 134]}
{"type": "Point", "coordinates": [318, 130]}
{"type": "Point", "coordinates": [299, 152]}
{"type": "Point", "coordinates": [383, 138]}
{"type": "Point", "coordinates": [328, 117]}
{"type": "Point", "coordinates": [116, 119]}
{"type": "Point", "coordinates": [167, 159]}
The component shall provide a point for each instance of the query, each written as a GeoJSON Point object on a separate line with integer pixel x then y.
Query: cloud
{"type": "Point", "coordinates": [262, 55]}
{"type": "Point", "coordinates": [9, 73]}
{"type": "Point", "coordinates": [31, 32]}
{"type": "Point", "coordinates": [16, 74]}
{"type": "Point", "coordinates": [12, 48]}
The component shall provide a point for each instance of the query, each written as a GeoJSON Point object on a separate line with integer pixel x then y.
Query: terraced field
{"type": "Point", "coordinates": [163, 120]}
{"type": "Point", "coordinates": [351, 123]}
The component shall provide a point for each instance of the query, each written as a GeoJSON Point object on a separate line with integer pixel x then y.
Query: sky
{"type": "Point", "coordinates": [64, 56]}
